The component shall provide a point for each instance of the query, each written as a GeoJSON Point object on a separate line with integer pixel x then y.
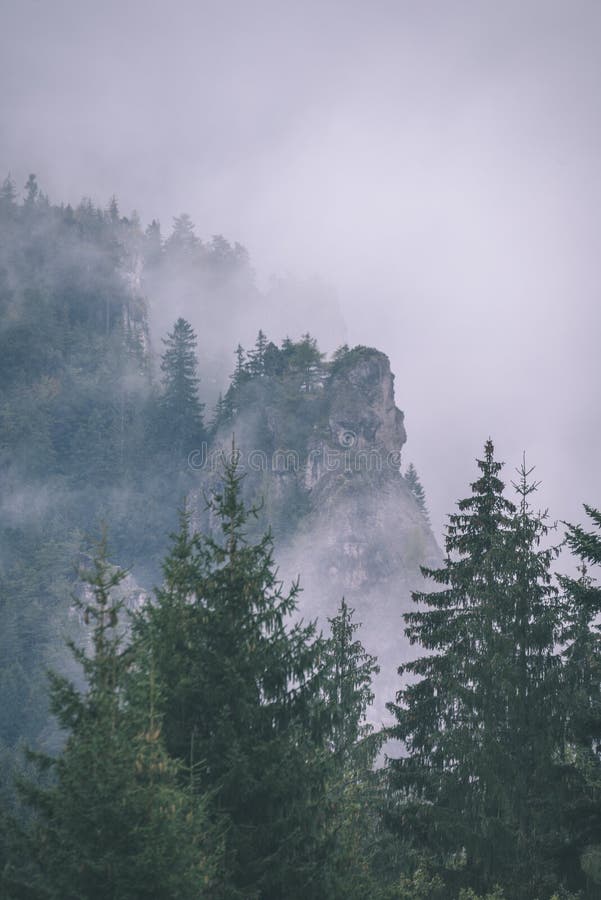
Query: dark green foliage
{"type": "Point", "coordinates": [581, 640]}
{"type": "Point", "coordinates": [114, 820]}
{"type": "Point", "coordinates": [181, 410]}
{"type": "Point", "coordinates": [478, 717]}
{"type": "Point", "coordinates": [238, 685]}
{"type": "Point", "coordinates": [353, 794]}
{"type": "Point", "coordinates": [347, 690]}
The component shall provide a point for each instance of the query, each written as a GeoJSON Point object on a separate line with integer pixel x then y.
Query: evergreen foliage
{"type": "Point", "coordinates": [478, 716]}
{"type": "Point", "coordinates": [348, 692]}
{"type": "Point", "coordinates": [256, 358]}
{"type": "Point", "coordinates": [221, 750]}
{"type": "Point", "coordinates": [581, 642]}
{"type": "Point", "coordinates": [181, 408]}
{"type": "Point", "coordinates": [353, 794]}
{"type": "Point", "coordinates": [114, 820]}
{"type": "Point", "coordinates": [238, 685]}
{"type": "Point", "coordinates": [416, 488]}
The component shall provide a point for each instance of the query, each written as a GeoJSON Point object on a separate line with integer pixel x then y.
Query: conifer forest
{"type": "Point", "coordinates": [283, 612]}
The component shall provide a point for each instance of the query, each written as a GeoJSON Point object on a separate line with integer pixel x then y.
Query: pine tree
{"type": "Point", "coordinates": [240, 376]}
{"type": "Point", "coordinates": [531, 618]}
{"type": "Point", "coordinates": [477, 718]}
{"type": "Point", "coordinates": [416, 488]}
{"type": "Point", "coordinates": [581, 640]}
{"type": "Point", "coordinates": [115, 820]}
{"type": "Point", "coordinates": [239, 686]}
{"type": "Point", "coordinates": [241, 372]}
{"type": "Point", "coordinates": [256, 363]}
{"type": "Point", "coordinates": [307, 360]}
{"type": "Point", "coordinates": [182, 410]}
{"type": "Point", "coordinates": [348, 691]}
{"type": "Point", "coordinates": [353, 794]}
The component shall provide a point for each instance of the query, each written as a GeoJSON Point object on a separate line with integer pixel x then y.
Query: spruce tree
{"type": "Point", "coordinates": [531, 621]}
{"type": "Point", "coordinates": [307, 361]}
{"type": "Point", "coordinates": [353, 787]}
{"type": "Point", "coordinates": [348, 691]}
{"type": "Point", "coordinates": [239, 686]}
{"type": "Point", "coordinates": [416, 488]}
{"type": "Point", "coordinates": [256, 363]}
{"type": "Point", "coordinates": [239, 377]}
{"type": "Point", "coordinates": [182, 412]}
{"type": "Point", "coordinates": [477, 716]}
{"type": "Point", "coordinates": [580, 854]}
{"type": "Point", "coordinates": [115, 821]}
{"type": "Point", "coordinates": [241, 372]}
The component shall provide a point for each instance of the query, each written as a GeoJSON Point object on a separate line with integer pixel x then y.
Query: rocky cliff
{"type": "Point", "coordinates": [324, 458]}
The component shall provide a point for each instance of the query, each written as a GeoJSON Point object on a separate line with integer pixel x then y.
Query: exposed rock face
{"type": "Point", "coordinates": [365, 428]}
{"type": "Point", "coordinates": [327, 463]}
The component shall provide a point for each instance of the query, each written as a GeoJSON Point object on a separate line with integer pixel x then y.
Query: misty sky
{"type": "Point", "coordinates": [439, 163]}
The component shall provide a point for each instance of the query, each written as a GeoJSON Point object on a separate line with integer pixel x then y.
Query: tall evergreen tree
{"type": "Point", "coordinates": [581, 640]}
{"type": "Point", "coordinates": [181, 408]}
{"type": "Point", "coordinates": [353, 745]}
{"type": "Point", "coordinates": [348, 691]}
{"type": "Point", "coordinates": [239, 377]}
{"type": "Point", "coordinates": [477, 717]}
{"type": "Point", "coordinates": [256, 363]}
{"type": "Point", "coordinates": [531, 620]}
{"type": "Point", "coordinates": [115, 821]}
{"type": "Point", "coordinates": [239, 687]}
{"type": "Point", "coordinates": [416, 488]}
{"type": "Point", "coordinates": [241, 372]}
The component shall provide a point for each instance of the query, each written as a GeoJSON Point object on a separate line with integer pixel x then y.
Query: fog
{"type": "Point", "coordinates": [437, 164]}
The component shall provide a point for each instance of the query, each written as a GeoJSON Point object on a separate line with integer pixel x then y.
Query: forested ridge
{"type": "Point", "coordinates": [203, 741]}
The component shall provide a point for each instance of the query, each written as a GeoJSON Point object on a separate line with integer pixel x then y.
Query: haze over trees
{"type": "Point", "coordinates": [204, 741]}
